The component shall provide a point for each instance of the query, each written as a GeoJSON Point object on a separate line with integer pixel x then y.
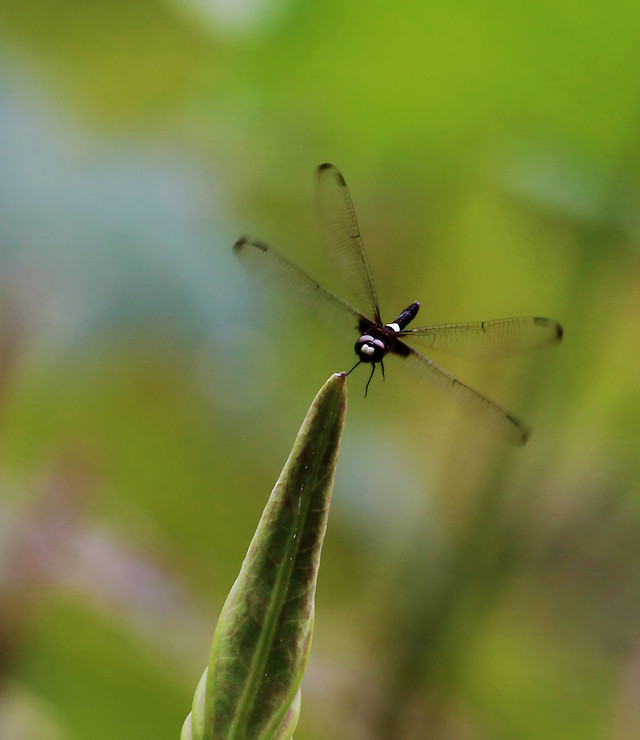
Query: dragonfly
{"type": "Point", "coordinates": [375, 339]}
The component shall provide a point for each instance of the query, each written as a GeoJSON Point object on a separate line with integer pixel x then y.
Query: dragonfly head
{"type": "Point", "coordinates": [370, 349]}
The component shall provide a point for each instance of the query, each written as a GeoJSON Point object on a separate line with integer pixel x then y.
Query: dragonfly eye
{"type": "Point", "coordinates": [370, 349]}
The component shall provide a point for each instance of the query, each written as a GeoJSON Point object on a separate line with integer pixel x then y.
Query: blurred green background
{"type": "Point", "coordinates": [150, 391]}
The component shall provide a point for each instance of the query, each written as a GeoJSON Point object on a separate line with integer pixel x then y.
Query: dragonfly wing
{"type": "Point", "coordinates": [342, 235]}
{"type": "Point", "coordinates": [497, 338]}
{"type": "Point", "coordinates": [507, 425]}
{"type": "Point", "coordinates": [265, 263]}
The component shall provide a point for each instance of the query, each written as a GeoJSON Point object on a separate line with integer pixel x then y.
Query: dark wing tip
{"type": "Point", "coordinates": [542, 321]}
{"type": "Point", "coordinates": [242, 243]}
{"type": "Point", "coordinates": [334, 170]}
{"type": "Point", "coordinates": [523, 430]}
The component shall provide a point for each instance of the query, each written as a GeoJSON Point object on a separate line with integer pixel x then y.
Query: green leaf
{"type": "Point", "coordinates": [288, 724]}
{"type": "Point", "coordinates": [261, 644]}
{"type": "Point", "coordinates": [193, 727]}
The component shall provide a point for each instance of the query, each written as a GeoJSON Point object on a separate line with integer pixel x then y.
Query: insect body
{"type": "Point", "coordinates": [499, 337]}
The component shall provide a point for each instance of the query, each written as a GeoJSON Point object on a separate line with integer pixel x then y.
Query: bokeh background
{"type": "Point", "coordinates": [150, 390]}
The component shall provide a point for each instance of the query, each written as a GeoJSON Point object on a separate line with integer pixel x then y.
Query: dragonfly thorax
{"type": "Point", "coordinates": [379, 339]}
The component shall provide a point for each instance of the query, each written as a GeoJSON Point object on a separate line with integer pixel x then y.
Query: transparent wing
{"type": "Point", "coordinates": [507, 425]}
{"type": "Point", "coordinates": [497, 338]}
{"type": "Point", "coordinates": [342, 235]}
{"type": "Point", "coordinates": [267, 264]}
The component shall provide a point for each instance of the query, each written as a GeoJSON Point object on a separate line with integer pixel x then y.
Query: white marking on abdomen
{"type": "Point", "coordinates": [395, 327]}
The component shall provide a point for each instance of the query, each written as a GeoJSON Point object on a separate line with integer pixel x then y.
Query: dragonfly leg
{"type": "Point", "coordinates": [366, 388]}
{"type": "Point", "coordinates": [382, 366]}
{"type": "Point", "coordinates": [354, 367]}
